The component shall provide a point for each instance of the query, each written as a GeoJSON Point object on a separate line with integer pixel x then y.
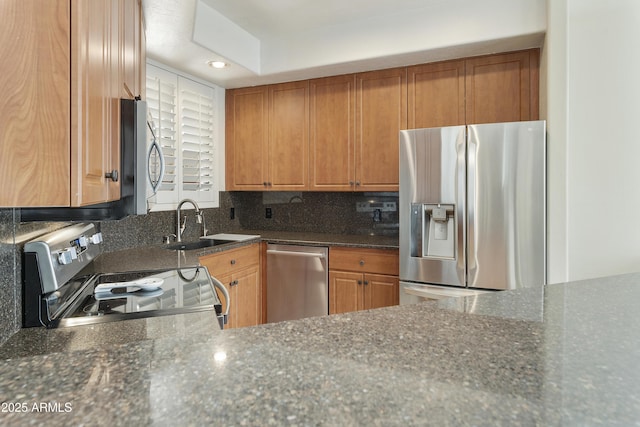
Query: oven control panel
{"type": "Point", "coordinates": [62, 254]}
{"type": "Point", "coordinates": [77, 247]}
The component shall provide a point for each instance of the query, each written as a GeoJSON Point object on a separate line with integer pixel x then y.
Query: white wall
{"type": "Point", "coordinates": [593, 110]}
{"type": "Point", "coordinates": [447, 25]}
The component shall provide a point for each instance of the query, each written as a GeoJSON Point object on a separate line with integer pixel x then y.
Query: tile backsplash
{"type": "Point", "coordinates": [289, 211]}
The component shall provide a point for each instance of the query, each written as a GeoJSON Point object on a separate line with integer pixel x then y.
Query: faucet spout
{"type": "Point", "coordinates": [199, 218]}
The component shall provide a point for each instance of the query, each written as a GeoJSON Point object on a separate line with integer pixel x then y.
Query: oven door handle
{"type": "Point", "coordinates": [224, 291]}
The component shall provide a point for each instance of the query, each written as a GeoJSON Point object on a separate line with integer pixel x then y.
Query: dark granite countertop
{"type": "Point", "coordinates": [326, 239]}
{"type": "Point", "coordinates": [566, 354]}
{"type": "Point", "coordinates": [158, 257]}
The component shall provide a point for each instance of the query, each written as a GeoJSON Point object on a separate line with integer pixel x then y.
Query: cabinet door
{"type": "Point", "coordinates": [35, 114]}
{"type": "Point", "coordinates": [345, 291]}
{"type": "Point", "coordinates": [502, 88]}
{"type": "Point", "coordinates": [288, 136]}
{"type": "Point", "coordinates": [246, 138]}
{"type": "Point", "coordinates": [380, 291]}
{"type": "Point", "coordinates": [90, 93]}
{"type": "Point", "coordinates": [332, 102]}
{"type": "Point", "coordinates": [381, 112]}
{"type": "Point", "coordinates": [436, 95]}
{"type": "Point", "coordinates": [248, 303]}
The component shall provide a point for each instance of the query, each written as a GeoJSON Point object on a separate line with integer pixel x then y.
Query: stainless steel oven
{"type": "Point", "coordinates": [58, 294]}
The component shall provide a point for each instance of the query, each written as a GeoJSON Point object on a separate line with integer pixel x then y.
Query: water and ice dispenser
{"type": "Point", "coordinates": [433, 232]}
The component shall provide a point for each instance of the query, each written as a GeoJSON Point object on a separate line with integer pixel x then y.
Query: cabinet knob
{"type": "Point", "coordinates": [351, 183]}
{"type": "Point", "coordinates": [359, 282]}
{"type": "Point", "coordinates": [366, 282]}
{"type": "Point", "coordinates": [361, 262]}
{"type": "Point", "coordinates": [113, 175]}
{"type": "Point", "coordinates": [233, 262]}
{"type": "Point", "coordinates": [357, 183]}
{"type": "Point", "coordinates": [264, 183]}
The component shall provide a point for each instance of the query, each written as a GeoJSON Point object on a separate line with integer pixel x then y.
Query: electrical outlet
{"type": "Point", "coordinates": [232, 213]}
{"type": "Point", "coordinates": [268, 213]}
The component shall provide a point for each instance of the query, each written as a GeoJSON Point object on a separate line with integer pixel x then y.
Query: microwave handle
{"type": "Point", "coordinates": [155, 146]}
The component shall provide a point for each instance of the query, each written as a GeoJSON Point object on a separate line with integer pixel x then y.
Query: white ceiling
{"type": "Point", "coordinates": [268, 41]}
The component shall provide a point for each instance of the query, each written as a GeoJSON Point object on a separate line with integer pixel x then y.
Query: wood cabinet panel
{"type": "Point", "coordinates": [502, 88]}
{"type": "Point", "coordinates": [364, 260]}
{"type": "Point", "coordinates": [381, 112]}
{"type": "Point", "coordinates": [34, 111]}
{"type": "Point", "coordinates": [246, 138]}
{"type": "Point", "coordinates": [354, 120]}
{"type": "Point", "coordinates": [288, 136]}
{"type": "Point", "coordinates": [248, 297]}
{"type": "Point", "coordinates": [90, 100]}
{"type": "Point", "coordinates": [232, 259]}
{"type": "Point", "coordinates": [345, 293]}
{"type": "Point", "coordinates": [69, 75]}
{"type": "Point", "coordinates": [354, 282]}
{"type": "Point", "coordinates": [239, 271]}
{"type": "Point", "coordinates": [436, 94]}
{"type": "Point", "coordinates": [381, 290]}
{"type": "Point", "coordinates": [332, 133]}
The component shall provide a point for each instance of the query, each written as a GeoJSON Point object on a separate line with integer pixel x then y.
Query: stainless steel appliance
{"type": "Point", "coordinates": [297, 282]}
{"type": "Point", "coordinates": [60, 288]}
{"type": "Point", "coordinates": [472, 209]}
{"type": "Point", "coordinates": [132, 175]}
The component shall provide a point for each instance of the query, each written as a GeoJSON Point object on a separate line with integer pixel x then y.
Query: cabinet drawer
{"type": "Point", "coordinates": [381, 261]}
{"type": "Point", "coordinates": [231, 260]}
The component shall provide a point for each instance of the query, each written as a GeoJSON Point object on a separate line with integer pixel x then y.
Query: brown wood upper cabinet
{"type": "Point", "coordinates": [332, 135]}
{"type": "Point", "coordinates": [436, 95]}
{"type": "Point", "coordinates": [267, 137]}
{"type": "Point", "coordinates": [354, 120]}
{"type": "Point", "coordinates": [354, 125]}
{"type": "Point", "coordinates": [60, 121]}
{"type": "Point", "coordinates": [485, 89]}
{"type": "Point", "coordinates": [381, 112]}
{"type": "Point", "coordinates": [502, 88]}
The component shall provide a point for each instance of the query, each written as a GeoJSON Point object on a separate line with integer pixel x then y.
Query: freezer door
{"type": "Point", "coordinates": [432, 205]}
{"type": "Point", "coordinates": [507, 205]}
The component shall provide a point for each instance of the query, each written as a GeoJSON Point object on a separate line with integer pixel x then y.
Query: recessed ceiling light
{"type": "Point", "coordinates": [217, 64]}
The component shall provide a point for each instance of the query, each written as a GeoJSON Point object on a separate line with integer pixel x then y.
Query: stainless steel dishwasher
{"type": "Point", "coordinates": [297, 282]}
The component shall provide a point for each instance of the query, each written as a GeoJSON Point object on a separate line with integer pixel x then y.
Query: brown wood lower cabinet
{"type": "Point", "coordinates": [239, 271]}
{"type": "Point", "coordinates": [361, 279]}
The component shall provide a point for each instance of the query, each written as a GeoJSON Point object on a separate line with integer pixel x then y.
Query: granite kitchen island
{"type": "Point", "coordinates": [563, 355]}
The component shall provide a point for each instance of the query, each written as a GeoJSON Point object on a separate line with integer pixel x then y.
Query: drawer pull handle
{"type": "Point", "coordinates": [361, 262]}
{"type": "Point", "coordinates": [233, 262]}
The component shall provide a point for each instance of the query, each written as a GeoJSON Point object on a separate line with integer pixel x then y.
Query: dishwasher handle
{"type": "Point", "coordinates": [295, 253]}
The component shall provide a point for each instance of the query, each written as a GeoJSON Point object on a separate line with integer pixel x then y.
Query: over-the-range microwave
{"type": "Point", "coordinates": [132, 175]}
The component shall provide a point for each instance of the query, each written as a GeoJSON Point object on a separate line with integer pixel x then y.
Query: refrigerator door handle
{"type": "Point", "coordinates": [461, 206]}
{"type": "Point", "coordinates": [472, 246]}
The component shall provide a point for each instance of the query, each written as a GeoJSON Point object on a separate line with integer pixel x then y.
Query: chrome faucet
{"type": "Point", "coordinates": [181, 226]}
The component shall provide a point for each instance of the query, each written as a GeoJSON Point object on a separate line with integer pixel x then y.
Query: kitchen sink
{"type": "Point", "coordinates": [200, 244]}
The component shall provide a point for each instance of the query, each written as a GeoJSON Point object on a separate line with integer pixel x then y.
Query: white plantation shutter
{"type": "Point", "coordinates": [185, 125]}
{"type": "Point", "coordinates": [197, 126]}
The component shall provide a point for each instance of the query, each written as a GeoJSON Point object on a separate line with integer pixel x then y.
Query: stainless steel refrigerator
{"type": "Point", "coordinates": [472, 209]}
